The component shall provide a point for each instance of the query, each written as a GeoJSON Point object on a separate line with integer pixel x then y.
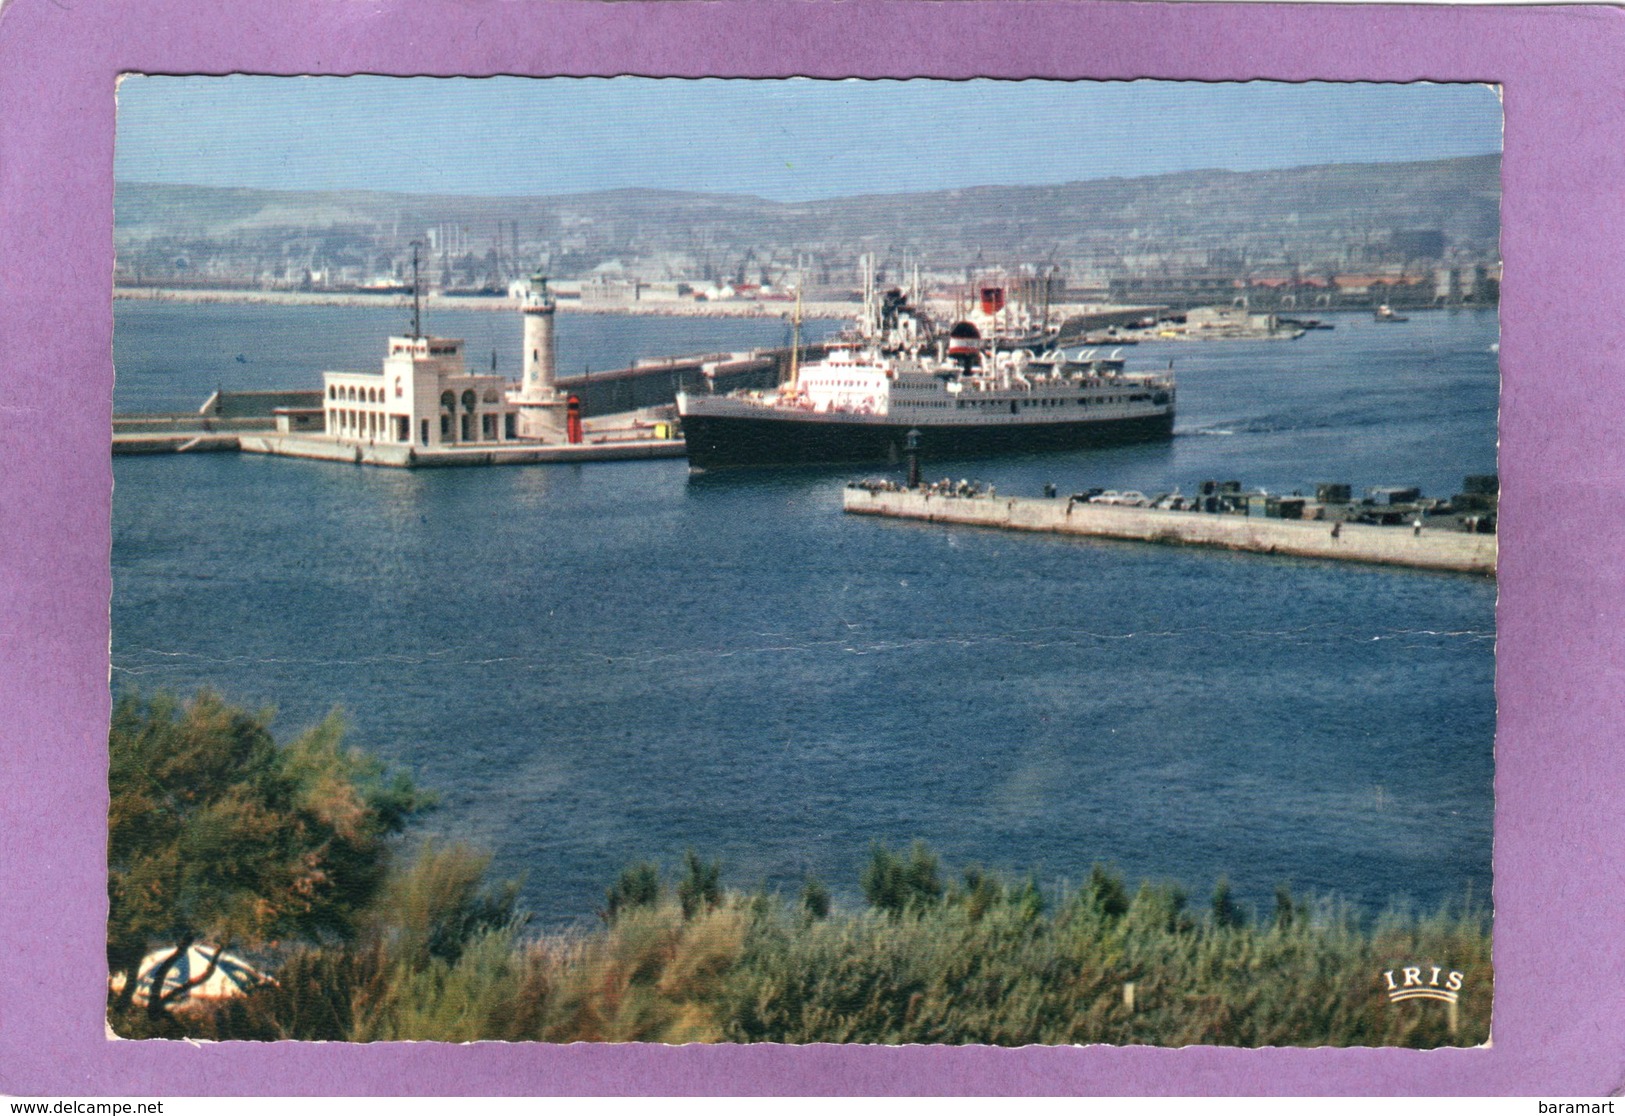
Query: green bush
{"type": "Point", "coordinates": [700, 889]}
{"type": "Point", "coordinates": [439, 902]}
{"type": "Point", "coordinates": [895, 883]}
{"type": "Point", "coordinates": [1104, 893]}
{"type": "Point", "coordinates": [986, 965]}
{"type": "Point", "coordinates": [218, 832]}
{"type": "Point", "coordinates": [638, 886]}
{"type": "Point", "coordinates": [1224, 911]}
{"type": "Point", "coordinates": [815, 898]}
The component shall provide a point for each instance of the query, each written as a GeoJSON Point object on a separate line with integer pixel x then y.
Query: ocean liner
{"type": "Point", "coordinates": [967, 399]}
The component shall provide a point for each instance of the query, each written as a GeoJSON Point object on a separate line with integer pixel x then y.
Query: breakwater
{"type": "Point", "coordinates": [655, 383]}
{"type": "Point", "coordinates": [1434, 549]}
{"type": "Point", "coordinates": [249, 422]}
{"type": "Point", "coordinates": [433, 301]}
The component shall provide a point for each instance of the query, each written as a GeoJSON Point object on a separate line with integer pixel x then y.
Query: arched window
{"type": "Point", "coordinates": [470, 399]}
{"type": "Point", "coordinates": [332, 392]}
{"type": "Point", "coordinates": [448, 401]}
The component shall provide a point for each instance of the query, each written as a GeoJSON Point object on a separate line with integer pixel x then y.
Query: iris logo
{"type": "Point", "coordinates": [1411, 984]}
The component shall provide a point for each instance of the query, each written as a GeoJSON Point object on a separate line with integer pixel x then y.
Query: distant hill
{"type": "Point", "coordinates": [1337, 215]}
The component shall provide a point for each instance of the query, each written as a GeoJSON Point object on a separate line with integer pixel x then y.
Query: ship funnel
{"type": "Point", "coordinates": [964, 344]}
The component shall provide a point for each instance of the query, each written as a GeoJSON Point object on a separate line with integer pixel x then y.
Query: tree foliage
{"type": "Point", "coordinates": [896, 882]}
{"type": "Point", "coordinates": [637, 886]}
{"type": "Point", "coordinates": [985, 960]}
{"type": "Point", "coordinates": [435, 905]}
{"type": "Point", "coordinates": [700, 889]}
{"type": "Point", "coordinates": [218, 834]}
{"type": "Point", "coordinates": [815, 898]}
{"type": "Point", "coordinates": [1105, 892]}
{"type": "Point", "coordinates": [1225, 912]}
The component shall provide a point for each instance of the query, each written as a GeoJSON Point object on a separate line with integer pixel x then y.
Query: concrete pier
{"type": "Point", "coordinates": [246, 422]}
{"type": "Point", "coordinates": [1436, 549]}
{"type": "Point", "coordinates": [408, 457]}
{"type": "Point", "coordinates": [612, 445]}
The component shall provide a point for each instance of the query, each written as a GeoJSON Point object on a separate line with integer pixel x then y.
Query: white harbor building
{"type": "Point", "coordinates": [426, 398]}
{"type": "Point", "coordinates": [425, 408]}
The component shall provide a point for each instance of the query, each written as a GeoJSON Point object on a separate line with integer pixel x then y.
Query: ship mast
{"type": "Point", "coordinates": [417, 306]}
{"type": "Point", "coordinates": [795, 344]}
{"type": "Point", "coordinates": [870, 326]}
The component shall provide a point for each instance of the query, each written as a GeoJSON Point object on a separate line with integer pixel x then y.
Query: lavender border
{"type": "Point", "coordinates": [1559, 901]}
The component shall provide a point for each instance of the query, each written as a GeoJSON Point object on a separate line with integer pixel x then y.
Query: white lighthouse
{"type": "Point", "coordinates": [541, 412]}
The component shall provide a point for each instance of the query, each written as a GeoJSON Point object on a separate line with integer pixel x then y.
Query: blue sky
{"type": "Point", "coordinates": [789, 140]}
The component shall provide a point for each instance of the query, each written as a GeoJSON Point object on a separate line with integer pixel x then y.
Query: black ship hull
{"type": "Point", "coordinates": [722, 441]}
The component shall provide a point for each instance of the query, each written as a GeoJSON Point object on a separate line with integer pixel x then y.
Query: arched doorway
{"type": "Point", "coordinates": [448, 413]}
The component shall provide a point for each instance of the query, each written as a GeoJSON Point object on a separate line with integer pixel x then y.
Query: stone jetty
{"type": "Point", "coordinates": [1432, 548]}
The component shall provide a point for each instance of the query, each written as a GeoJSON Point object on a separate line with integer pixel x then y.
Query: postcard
{"type": "Point", "coordinates": [861, 572]}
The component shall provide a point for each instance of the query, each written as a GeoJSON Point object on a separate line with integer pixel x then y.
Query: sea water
{"type": "Point", "coordinates": [599, 664]}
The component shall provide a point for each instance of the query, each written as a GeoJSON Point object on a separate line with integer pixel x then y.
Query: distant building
{"type": "Point", "coordinates": [1231, 321]}
{"type": "Point", "coordinates": [1178, 291]}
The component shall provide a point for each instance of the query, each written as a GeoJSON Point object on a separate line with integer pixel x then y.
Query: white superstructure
{"type": "Point", "coordinates": [848, 380]}
{"type": "Point", "coordinates": [1014, 388]}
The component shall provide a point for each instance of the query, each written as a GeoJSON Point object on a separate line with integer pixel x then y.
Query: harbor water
{"type": "Point", "coordinates": [600, 664]}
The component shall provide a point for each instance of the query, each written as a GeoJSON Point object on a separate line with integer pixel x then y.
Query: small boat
{"type": "Point", "coordinates": [1385, 313]}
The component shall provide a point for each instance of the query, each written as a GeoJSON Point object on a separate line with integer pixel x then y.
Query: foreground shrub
{"type": "Point", "coordinates": [638, 886]}
{"type": "Point", "coordinates": [896, 883]}
{"type": "Point", "coordinates": [989, 962]}
{"type": "Point", "coordinates": [217, 834]}
{"type": "Point", "coordinates": [701, 886]}
{"type": "Point", "coordinates": [220, 833]}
